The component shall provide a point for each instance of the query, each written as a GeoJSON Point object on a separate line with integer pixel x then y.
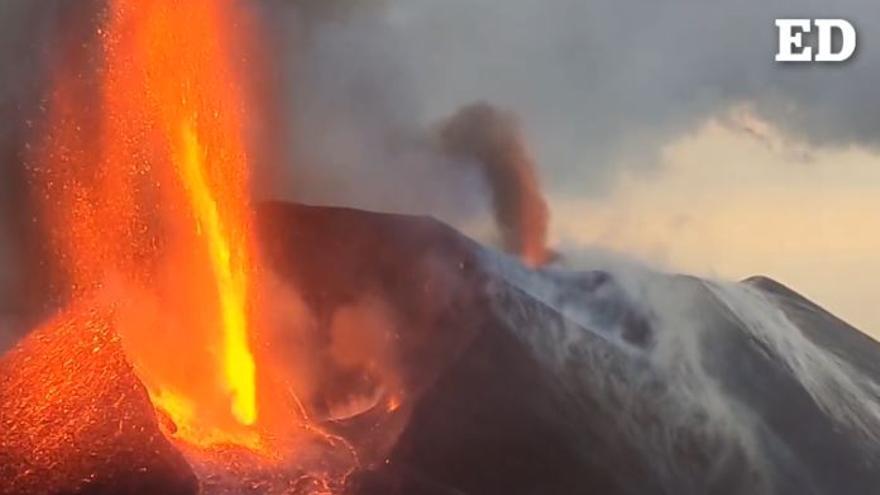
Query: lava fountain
{"type": "Point", "coordinates": [149, 212]}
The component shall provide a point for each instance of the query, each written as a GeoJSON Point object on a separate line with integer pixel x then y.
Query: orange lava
{"type": "Point", "coordinates": [150, 208]}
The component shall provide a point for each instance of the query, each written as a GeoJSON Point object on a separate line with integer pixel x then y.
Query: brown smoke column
{"type": "Point", "coordinates": [493, 138]}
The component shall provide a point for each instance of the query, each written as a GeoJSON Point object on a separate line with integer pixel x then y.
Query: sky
{"type": "Point", "coordinates": [807, 218]}
{"type": "Point", "coordinates": [663, 130]}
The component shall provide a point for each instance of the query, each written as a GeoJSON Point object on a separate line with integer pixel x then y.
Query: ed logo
{"type": "Point", "coordinates": [791, 40]}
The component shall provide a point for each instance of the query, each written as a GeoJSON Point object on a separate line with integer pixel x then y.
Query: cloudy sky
{"type": "Point", "coordinates": [663, 130]}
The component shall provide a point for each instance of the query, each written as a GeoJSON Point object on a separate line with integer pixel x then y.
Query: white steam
{"type": "Point", "coordinates": [661, 392]}
{"type": "Point", "coordinates": [842, 392]}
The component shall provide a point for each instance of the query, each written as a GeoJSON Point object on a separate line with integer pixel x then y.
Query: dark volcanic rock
{"type": "Point", "coordinates": [485, 416]}
{"type": "Point", "coordinates": [429, 273]}
{"type": "Point", "coordinates": [584, 382]}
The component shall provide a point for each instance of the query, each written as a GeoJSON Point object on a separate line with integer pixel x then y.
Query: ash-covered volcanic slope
{"type": "Point", "coordinates": [613, 380]}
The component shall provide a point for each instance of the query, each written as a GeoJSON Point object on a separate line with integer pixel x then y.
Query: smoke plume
{"type": "Point", "coordinates": [492, 138]}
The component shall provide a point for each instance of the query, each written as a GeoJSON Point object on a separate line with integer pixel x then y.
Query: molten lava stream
{"type": "Point", "coordinates": [148, 208]}
{"type": "Point", "coordinates": [171, 63]}
{"type": "Point", "coordinates": [155, 210]}
{"type": "Point", "coordinates": [231, 284]}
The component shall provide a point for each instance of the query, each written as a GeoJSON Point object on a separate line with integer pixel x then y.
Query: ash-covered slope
{"type": "Point", "coordinates": [823, 328]}
{"type": "Point", "coordinates": [613, 379]}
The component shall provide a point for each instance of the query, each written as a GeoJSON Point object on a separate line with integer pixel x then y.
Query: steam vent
{"type": "Point", "coordinates": [186, 338]}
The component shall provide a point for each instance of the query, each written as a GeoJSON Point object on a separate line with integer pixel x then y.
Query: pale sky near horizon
{"type": "Point", "coordinates": [735, 198]}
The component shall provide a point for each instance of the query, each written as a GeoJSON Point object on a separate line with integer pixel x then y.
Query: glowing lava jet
{"type": "Point", "coordinates": [148, 206]}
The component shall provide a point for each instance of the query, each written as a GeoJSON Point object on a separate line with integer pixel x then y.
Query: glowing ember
{"type": "Point", "coordinates": [155, 209]}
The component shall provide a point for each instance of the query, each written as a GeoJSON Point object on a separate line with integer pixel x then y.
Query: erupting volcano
{"type": "Point", "coordinates": [150, 214]}
{"type": "Point", "coordinates": [194, 340]}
